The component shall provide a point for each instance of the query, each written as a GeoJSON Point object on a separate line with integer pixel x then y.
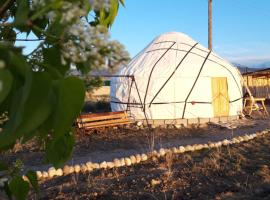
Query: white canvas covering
{"type": "Point", "coordinates": [173, 75]}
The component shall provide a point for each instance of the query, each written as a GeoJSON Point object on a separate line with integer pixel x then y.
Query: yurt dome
{"type": "Point", "coordinates": [175, 77]}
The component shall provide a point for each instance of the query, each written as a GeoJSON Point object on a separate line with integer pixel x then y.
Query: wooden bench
{"type": "Point", "coordinates": [97, 120]}
{"type": "Point", "coordinates": [250, 106]}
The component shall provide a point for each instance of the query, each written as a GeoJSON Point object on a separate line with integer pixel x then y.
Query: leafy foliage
{"type": "Point", "coordinates": [38, 98]}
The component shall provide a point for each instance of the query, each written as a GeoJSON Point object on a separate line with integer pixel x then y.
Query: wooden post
{"type": "Point", "coordinates": [210, 25]}
{"type": "Point", "coordinates": [246, 86]}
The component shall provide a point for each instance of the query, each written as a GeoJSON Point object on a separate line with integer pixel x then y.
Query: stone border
{"type": "Point", "coordinates": [135, 159]}
{"type": "Point", "coordinates": [186, 122]}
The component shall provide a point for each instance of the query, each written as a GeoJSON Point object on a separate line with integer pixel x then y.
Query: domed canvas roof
{"type": "Point", "coordinates": [176, 77]}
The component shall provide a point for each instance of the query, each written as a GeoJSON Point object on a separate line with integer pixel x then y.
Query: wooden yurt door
{"type": "Point", "coordinates": [220, 97]}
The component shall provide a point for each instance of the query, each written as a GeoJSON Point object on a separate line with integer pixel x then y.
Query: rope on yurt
{"type": "Point", "coordinates": [147, 87]}
{"type": "Point", "coordinates": [206, 51]}
{"type": "Point", "coordinates": [143, 110]}
{"type": "Point", "coordinates": [183, 115]}
{"type": "Point", "coordinates": [172, 73]}
{"type": "Point", "coordinates": [129, 92]}
{"type": "Point", "coordinates": [175, 102]}
{"type": "Point", "coordinates": [240, 90]}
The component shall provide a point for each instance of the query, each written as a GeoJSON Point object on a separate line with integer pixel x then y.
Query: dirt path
{"type": "Point", "coordinates": [121, 143]}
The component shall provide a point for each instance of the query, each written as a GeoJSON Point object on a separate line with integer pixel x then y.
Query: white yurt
{"type": "Point", "coordinates": [175, 77]}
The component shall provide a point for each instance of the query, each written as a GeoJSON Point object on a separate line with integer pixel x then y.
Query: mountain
{"type": "Point", "coordinates": [264, 65]}
{"type": "Point", "coordinates": [245, 68]}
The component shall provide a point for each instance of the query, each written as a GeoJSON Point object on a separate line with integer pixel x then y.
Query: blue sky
{"type": "Point", "coordinates": [241, 30]}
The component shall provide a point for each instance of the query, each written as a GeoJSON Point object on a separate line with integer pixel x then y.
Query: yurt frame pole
{"type": "Point", "coordinates": [147, 87]}
{"type": "Point", "coordinates": [145, 116]}
{"type": "Point", "coordinates": [184, 110]}
{"type": "Point", "coordinates": [199, 56]}
{"type": "Point", "coordinates": [172, 74]}
{"type": "Point", "coordinates": [128, 105]}
{"type": "Point", "coordinates": [136, 86]}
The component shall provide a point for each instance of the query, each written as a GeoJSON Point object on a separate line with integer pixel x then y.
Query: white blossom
{"type": "Point", "coordinates": [85, 43]}
{"type": "Point", "coordinates": [99, 4]}
{"type": "Point", "coordinates": [51, 15]}
{"type": "Point", "coordinates": [71, 12]}
{"type": "Point", "coordinates": [38, 3]}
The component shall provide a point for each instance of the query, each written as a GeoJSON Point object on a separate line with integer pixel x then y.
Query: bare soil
{"type": "Point", "coordinates": [111, 143]}
{"type": "Point", "coordinates": [240, 171]}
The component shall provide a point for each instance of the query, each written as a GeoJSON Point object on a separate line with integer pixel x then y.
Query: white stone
{"type": "Point", "coordinates": [84, 168]}
{"type": "Point", "coordinates": [241, 139]}
{"type": "Point", "coordinates": [122, 160]}
{"type": "Point", "coordinates": [71, 169]}
{"type": "Point", "coordinates": [200, 147]}
{"type": "Point", "coordinates": [189, 148]}
{"type": "Point", "coordinates": [66, 169]}
{"type": "Point", "coordinates": [39, 175]}
{"type": "Point", "coordinates": [246, 138]}
{"type": "Point", "coordinates": [89, 166]}
{"type": "Point", "coordinates": [96, 166]}
{"type": "Point", "coordinates": [51, 172]}
{"type": "Point", "coordinates": [103, 165]}
{"type": "Point", "coordinates": [77, 168]}
{"type": "Point", "coordinates": [225, 142]}
{"type": "Point", "coordinates": [133, 159]}
{"type": "Point", "coordinates": [25, 178]}
{"type": "Point", "coordinates": [182, 149]}
{"type": "Point", "coordinates": [45, 175]}
{"type": "Point", "coordinates": [117, 163]}
{"type": "Point", "coordinates": [139, 123]}
{"type": "Point", "coordinates": [59, 172]}
{"type": "Point", "coordinates": [154, 153]}
{"type": "Point", "coordinates": [175, 150]}
{"type": "Point", "coordinates": [144, 157]}
{"type": "Point", "coordinates": [128, 161]}
{"type": "Point", "coordinates": [110, 165]}
{"type": "Point", "coordinates": [206, 146]}
{"type": "Point", "coordinates": [138, 158]}
{"type": "Point", "coordinates": [162, 152]}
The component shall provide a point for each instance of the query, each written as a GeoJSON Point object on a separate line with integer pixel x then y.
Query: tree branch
{"type": "Point", "coordinates": [5, 7]}
{"type": "Point", "coordinates": [23, 40]}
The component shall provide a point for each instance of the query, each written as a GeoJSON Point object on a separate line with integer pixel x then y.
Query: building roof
{"type": "Point", "coordinates": [261, 72]}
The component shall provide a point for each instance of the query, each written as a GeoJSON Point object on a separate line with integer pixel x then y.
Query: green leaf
{"type": "Point", "coordinates": [32, 177]}
{"type": "Point", "coordinates": [52, 57]}
{"type": "Point", "coordinates": [6, 80]}
{"type": "Point", "coordinates": [7, 33]}
{"type": "Point", "coordinates": [21, 16]}
{"type": "Point", "coordinates": [19, 188]}
{"type": "Point", "coordinates": [59, 150]}
{"type": "Point", "coordinates": [70, 93]}
{"type": "Point", "coordinates": [41, 23]}
{"type": "Point", "coordinates": [7, 191]}
{"type": "Point", "coordinates": [106, 18]}
{"type": "Point", "coordinates": [38, 107]}
{"type": "Point", "coordinates": [31, 106]}
{"type": "Point", "coordinates": [122, 2]}
{"type": "Point", "coordinates": [3, 167]}
{"type": "Point", "coordinates": [22, 81]}
{"type": "Point", "coordinates": [19, 67]}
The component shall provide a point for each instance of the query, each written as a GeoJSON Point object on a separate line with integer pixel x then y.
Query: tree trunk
{"type": "Point", "coordinates": [210, 25]}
